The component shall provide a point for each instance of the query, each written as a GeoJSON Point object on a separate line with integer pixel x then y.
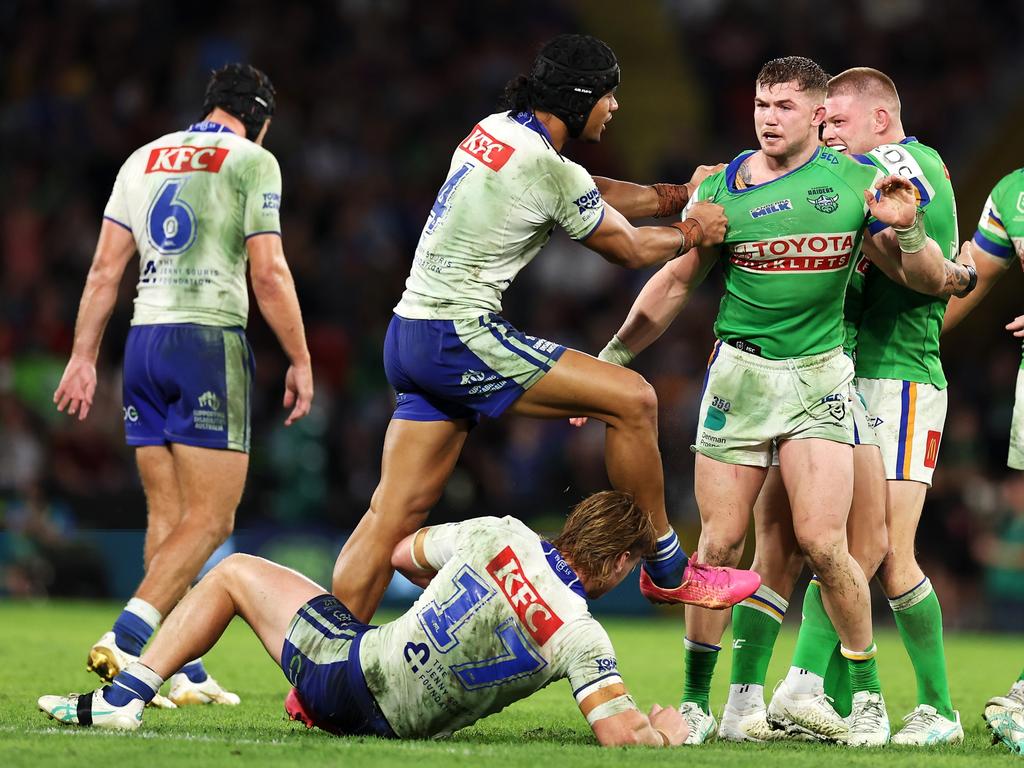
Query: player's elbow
{"type": "Point", "coordinates": [269, 282]}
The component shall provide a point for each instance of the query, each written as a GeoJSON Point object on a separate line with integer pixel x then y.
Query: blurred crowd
{"type": "Point", "coordinates": [373, 95]}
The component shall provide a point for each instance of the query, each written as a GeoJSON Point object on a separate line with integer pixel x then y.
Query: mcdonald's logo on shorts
{"type": "Point", "coordinates": [931, 448]}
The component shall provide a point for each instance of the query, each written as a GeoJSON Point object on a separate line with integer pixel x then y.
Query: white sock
{"type": "Point", "coordinates": [803, 682]}
{"type": "Point", "coordinates": [746, 697]}
{"type": "Point", "coordinates": [144, 611]}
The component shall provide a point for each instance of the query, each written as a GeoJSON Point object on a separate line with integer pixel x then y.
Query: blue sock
{"type": "Point", "coordinates": [195, 671]}
{"type": "Point", "coordinates": [131, 632]}
{"type": "Point", "coordinates": [666, 565]}
{"type": "Point", "coordinates": [137, 681]}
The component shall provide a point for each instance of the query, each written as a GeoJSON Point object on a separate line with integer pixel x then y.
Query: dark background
{"type": "Point", "coordinates": [372, 99]}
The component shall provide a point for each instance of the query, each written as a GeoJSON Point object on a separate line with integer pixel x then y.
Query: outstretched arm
{"type": "Point", "coordinates": [420, 555]}
{"type": "Point", "coordinates": [635, 201]}
{"type": "Point", "coordinates": [115, 248]}
{"type": "Point", "coordinates": [616, 721]}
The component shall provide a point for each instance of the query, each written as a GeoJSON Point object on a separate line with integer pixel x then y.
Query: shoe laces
{"type": "Point", "coordinates": [868, 713]}
{"type": "Point", "coordinates": [1017, 692]}
{"type": "Point", "coordinates": [919, 720]}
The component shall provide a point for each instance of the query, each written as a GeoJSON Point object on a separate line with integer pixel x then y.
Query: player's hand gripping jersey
{"type": "Point", "coordinates": [894, 329]}
{"type": "Point", "coordinates": [507, 188]}
{"type": "Point", "coordinates": [790, 248]}
{"type": "Point", "coordinates": [504, 617]}
{"type": "Point", "coordinates": [191, 198]}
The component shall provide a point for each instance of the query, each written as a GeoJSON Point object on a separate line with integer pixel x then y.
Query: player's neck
{"type": "Point", "coordinates": [766, 168]}
{"type": "Point", "coordinates": [229, 121]}
{"type": "Point", "coordinates": [557, 129]}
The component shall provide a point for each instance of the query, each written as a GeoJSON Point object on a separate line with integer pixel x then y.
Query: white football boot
{"type": "Point", "coordinates": [702, 724]}
{"type": "Point", "coordinates": [750, 725]}
{"type": "Point", "coordinates": [925, 727]}
{"type": "Point", "coordinates": [91, 709]}
{"type": "Point", "coordinates": [1004, 716]}
{"type": "Point", "coordinates": [108, 661]}
{"type": "Point", "coordinates": [812, 713]}
{"type": "Point", "coordinates": [184, 692]}
{"type": "Point", "coordinates": [869, 722]}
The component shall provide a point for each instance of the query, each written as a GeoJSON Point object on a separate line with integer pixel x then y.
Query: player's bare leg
{"type": "Point", "coordinates": [581, 385]}
{"type": "Point", "coordinates": [163, 497]}
{"type": "Point", "coordinates": [865, 529]}
{"type": "Point", "coordinates": [725, 497]}
{"type": "Point", "coordinates": [417, 460]}
{"type": "Point", "coordinates": [264, 594]}
{"type": "Point", "coordinates": [757, 620]}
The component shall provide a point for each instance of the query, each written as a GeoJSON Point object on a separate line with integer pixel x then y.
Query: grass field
{"type": "Point", "coordinates": [45, 644]}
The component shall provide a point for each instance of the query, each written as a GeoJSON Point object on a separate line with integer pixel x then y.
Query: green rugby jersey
{"type": "Point", "coordinates": [191, 199]}
{"type": "Point", "coordinates": [1000, 230]}
{"type": "Point", "coordinates": [895, 330]}
{"type": "Point", "coordinates": [790, 246]}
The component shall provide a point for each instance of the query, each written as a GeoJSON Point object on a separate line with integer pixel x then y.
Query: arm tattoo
{"type": "Point", "coordinates": [958, 280]}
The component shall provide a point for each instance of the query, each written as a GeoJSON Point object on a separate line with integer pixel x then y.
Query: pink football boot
{"type": "Point", "coordinates": [707, 586]}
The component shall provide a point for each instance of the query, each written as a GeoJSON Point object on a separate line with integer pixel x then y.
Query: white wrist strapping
{"type": "Point", "coordinates": [913, 238]}
{"type": "Point", "coordinates": [623, 703]}
{"type": "Point", "coordinates": [616, 352]}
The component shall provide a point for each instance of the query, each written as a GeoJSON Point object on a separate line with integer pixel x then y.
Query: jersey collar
{"type": "Point", "coordinates": [529, 120]}
{"type": "Point", "coordinates": [734, 167]}
{"type": "Point", "coordinates": [909, 140]}
{"type": "Point", "coordinates": [208, 126]}
{"type": "Point", "coordinates": [562, 569]}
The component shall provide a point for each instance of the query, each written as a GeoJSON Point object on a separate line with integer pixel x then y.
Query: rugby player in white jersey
{"type": "Point", "coordinates": [450, 356]}
{"type": "Point", "coordinates": [198, 205]}
{"type": "Point", "coordinates": [504, 614]}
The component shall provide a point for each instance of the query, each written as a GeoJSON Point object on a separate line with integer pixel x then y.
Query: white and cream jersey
{"type": "Point", "coordinates": [506, 190]}
{"type": "Point", "coordinates": [504, 616]}
{"type": "Point", "coordinates": [191, 199]}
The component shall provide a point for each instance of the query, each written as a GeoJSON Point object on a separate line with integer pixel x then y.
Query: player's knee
{"type": "Point", "coordinates": [639, 402]}
{"type": "Point", "coordinates": [872, 553]}
{"type": "Point", "coordinates": [231, 567]}
{"type": "Point", "coordinates": [824, 555]}
{"type": "Point", "coordinates": [726, 553]}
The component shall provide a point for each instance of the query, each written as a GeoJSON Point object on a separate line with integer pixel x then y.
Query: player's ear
{"type": "Point", "coordinates": [818, 115]}
{"type": "Point", "coordinates": [881, 120]}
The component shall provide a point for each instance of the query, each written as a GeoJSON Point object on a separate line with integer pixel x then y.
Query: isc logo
{"type": "Point", "coordinates": [535, 614]}
{"type": "Point", "coordinates": [186, 159]}
{"type": "Point", "coordinates": [487, 149]}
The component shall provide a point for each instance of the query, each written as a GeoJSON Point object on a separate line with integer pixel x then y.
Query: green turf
{"type": "Point", "coordinates": [44, 647]}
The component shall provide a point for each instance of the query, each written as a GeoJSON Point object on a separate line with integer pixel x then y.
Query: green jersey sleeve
{"type": "Point", "coordinates": [1000, 230]}
{"type": "Point", "coordinates": [261, 187]}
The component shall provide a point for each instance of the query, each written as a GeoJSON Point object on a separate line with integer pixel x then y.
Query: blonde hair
{"type": "Point", "coordinates": [865, 81]}
{"type": "Point", "coordinates": [600, 529]}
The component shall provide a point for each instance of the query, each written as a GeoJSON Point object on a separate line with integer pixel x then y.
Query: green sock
{"type": "Point", "coordinates": [837, 682]}
{"type": "Point", "coordinates": [700, 667]}
{"type": "Point", "coordinates": [817, 636]}
{"type": "Point", "coordinates": [863, 670]}
{"type": "Point", "coordinates": [919, 620]}
{"type": "Point", "coordinates": [755, 626]}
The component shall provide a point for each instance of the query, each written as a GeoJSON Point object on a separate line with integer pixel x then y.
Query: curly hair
{"type": "Point", "coordinates": [807, 74]}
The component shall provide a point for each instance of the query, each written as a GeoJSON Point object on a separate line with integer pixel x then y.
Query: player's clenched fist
{"type": "Point", "coordinates": [711, 221]}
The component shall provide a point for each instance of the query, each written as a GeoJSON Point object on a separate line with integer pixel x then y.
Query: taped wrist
{"type": "Point", "coordinates": [665, 740]}
{"type": "Point", "coordinates": [616, 352]}
{"type": "Point", "coordinates": [672, 198]}
{"type": "Point", "coordinates": [623, 703]}
{"type": "Point", "coordinates": [692, 232]}
{"type": "Point", "coordinates": [913, 238]}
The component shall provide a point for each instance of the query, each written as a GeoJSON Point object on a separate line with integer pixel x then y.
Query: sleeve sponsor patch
{"type": "Point", "coordinates": [487, 149]}
{"type": "Point", "coordinates": [533, 611]}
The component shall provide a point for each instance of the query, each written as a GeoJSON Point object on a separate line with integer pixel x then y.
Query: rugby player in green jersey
{"type": "Point", "coordinates": [893, 337]}
{"type": "Point", "coordinates": [201, 207]}
{"type": "Point", "coordinates": [777, 376]}
{"type": "Point", "coordinates": [998, 239]}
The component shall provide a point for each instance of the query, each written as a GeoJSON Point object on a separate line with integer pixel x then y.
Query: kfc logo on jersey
{"type": "Point", "coordinates": [827, 252]}
{"type": "Point", "coordinates": [487, 149]}
{"type": "Point", "coordinates": [186, 159]}
{"type": "Point", "coordinates": [535, 614]}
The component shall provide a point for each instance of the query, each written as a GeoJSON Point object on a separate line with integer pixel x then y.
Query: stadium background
{"type": "Point", "coordinates": [372, 98]}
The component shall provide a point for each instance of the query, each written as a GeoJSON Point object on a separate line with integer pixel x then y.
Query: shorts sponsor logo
{"type": "Point", "coordinates": [714, 419]}
{"type": "Point", "coordinates": [208, 415]}
{"type": "Point", "coordinates": [534, 613]}
{"type": "Point", "coordinates": [931, 448]}
{"type": "Point", "coordinates": [131, 414]}
{"type": "Point", "coordinates": [721, 403]}
{"type": "Point", "coordinates": [836, 403]}
{"type": "Point", "coordinates": [542, 345]}
{"type": "Point", "coordinates": [481, 383]}
{"type": "Point", "coordinates": [813, 252]}
{"type": "Point", "coordinates": [875, 421]}
{"type": "Point", "coordinates": [769, 208]}
{"type": "Point", "coordinates": [590, 201]}
{"type": "Point", "coordinates": [487, 149]}
{"type": "Point", "coordinates": [186, 159]}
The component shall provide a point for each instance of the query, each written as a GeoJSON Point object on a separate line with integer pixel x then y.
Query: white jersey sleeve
{"type": "Point", "coordinates": [589, 659]}
{"type": "Point", "coordinates": [117, 209]}
{"type": "Point", "coordinates": [573, 200]}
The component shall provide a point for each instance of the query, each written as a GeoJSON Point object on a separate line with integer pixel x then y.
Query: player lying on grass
{"type": "Point", "coordinates": [1005, 717]}
{"type": "Point", "coordinates": [504, 614]}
